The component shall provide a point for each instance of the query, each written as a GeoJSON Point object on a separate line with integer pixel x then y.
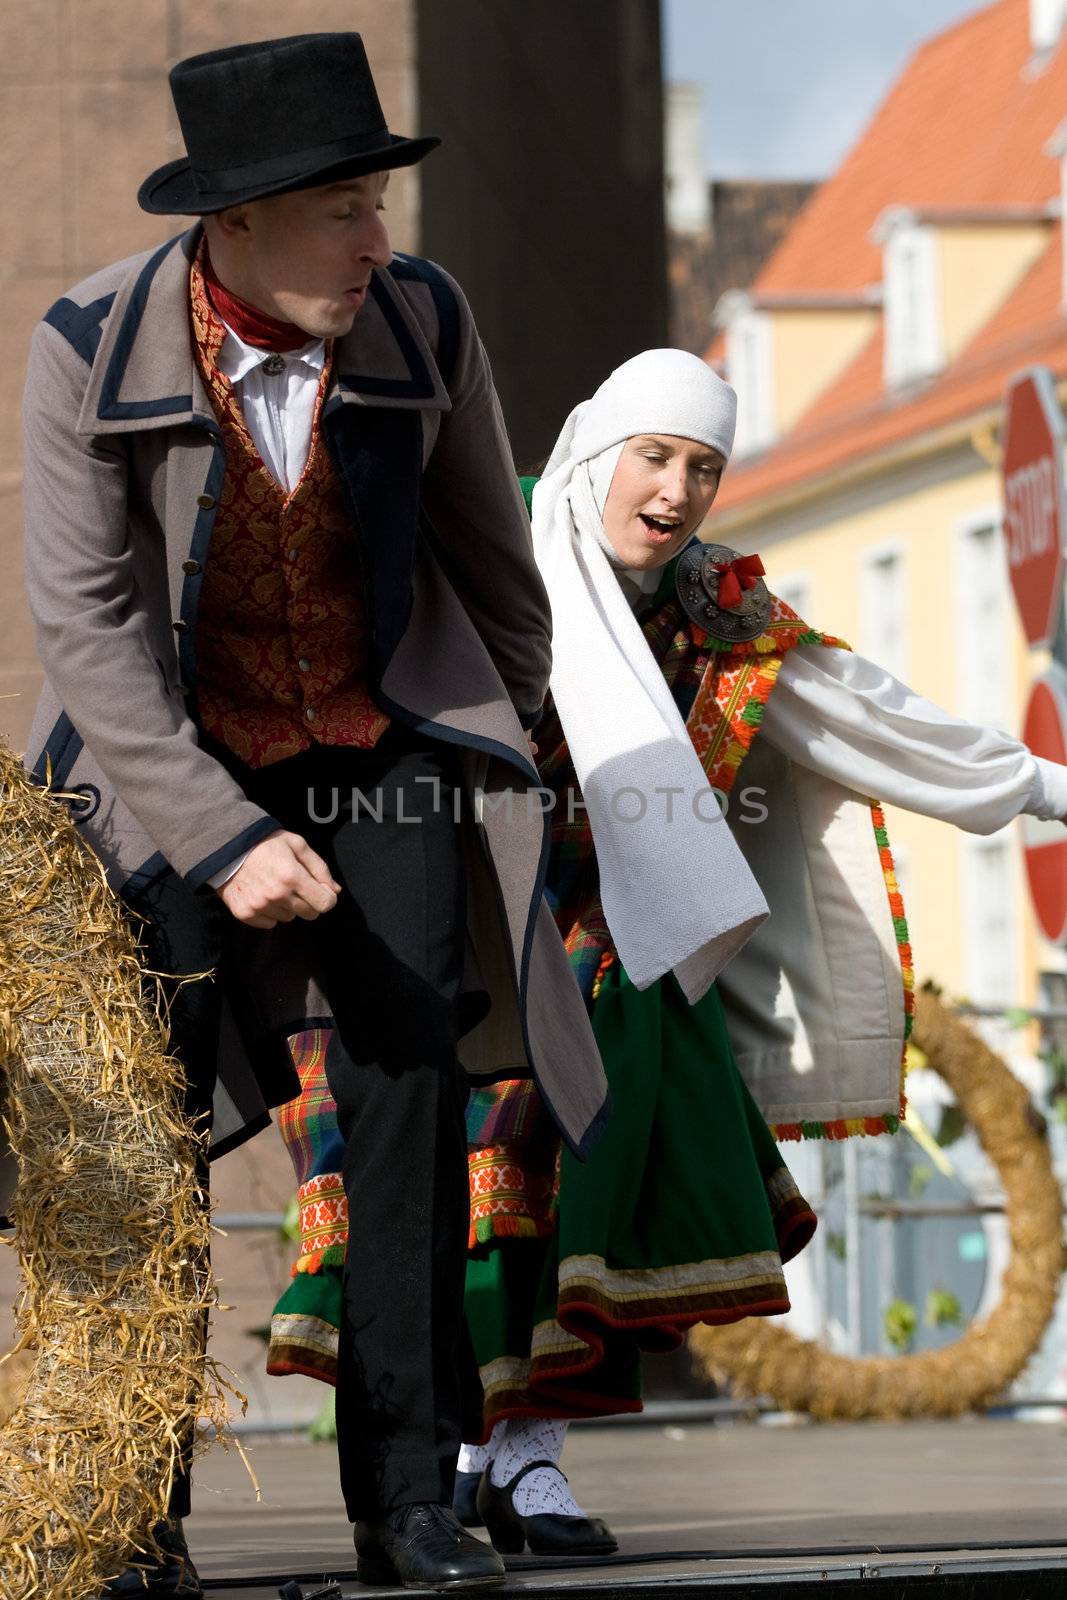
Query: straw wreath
{"type": "Point", "coordinates": [758, 1358]}
{"type": "Point", "coordinates": [111, 1223]}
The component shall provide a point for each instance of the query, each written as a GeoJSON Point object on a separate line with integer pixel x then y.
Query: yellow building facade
{"type": "Point", "coordinates": [907, 565]}
{"type": "Point", "coordinates": [871, 358]}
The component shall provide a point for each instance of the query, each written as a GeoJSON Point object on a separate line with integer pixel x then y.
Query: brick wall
{"type": "Point", "coordinates": [85, 115]}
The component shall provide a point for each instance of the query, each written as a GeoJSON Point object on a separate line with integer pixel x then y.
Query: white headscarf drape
{"type": "Point", "coordinates": [676, 891]}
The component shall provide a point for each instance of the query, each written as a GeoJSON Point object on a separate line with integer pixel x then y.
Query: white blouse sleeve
{"type": "Point", "coordinates": [839, 715]}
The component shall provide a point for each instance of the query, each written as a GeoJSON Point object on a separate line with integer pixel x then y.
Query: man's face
{"type": "Point", "coordinates": [308, 257]}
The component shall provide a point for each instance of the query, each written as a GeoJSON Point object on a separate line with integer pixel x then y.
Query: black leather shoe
{"type": "Point", "coordinates": [465, 1499]}
{"type": "Point", "coordinates": [168, 1576]}
{"type": "Point", "coordinates": [547, 1533]}
{"type": "Point", "coordinates": [422, 1546]}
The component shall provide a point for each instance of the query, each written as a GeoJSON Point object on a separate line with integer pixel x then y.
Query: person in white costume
{"type": "Point", "coordinates": [622, 496]}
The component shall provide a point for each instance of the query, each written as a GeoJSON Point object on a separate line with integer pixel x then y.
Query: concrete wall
{"type": "Point", "coordinates": [546, 200]}
{"type": "Point", "coordinates": [85, 115]}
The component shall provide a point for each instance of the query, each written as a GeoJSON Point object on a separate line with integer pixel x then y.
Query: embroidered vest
{"type": "Point", "coordinates": [281, 645]}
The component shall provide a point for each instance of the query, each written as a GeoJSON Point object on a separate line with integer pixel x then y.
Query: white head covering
{"type": "Point", "coordinates": [659, 391]}
{"type": "Point", "coordinates": [675, 888]}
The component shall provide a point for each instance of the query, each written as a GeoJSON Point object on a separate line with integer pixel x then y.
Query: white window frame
{"type": "Point", "coordinates": [876, 555]}
{"type": "Point", "coordinates": [1004, 711]}
{"type": "Point", "coordinates": [1046, 24]}
{"type": "Point", "coordinates": [750, 369]}
{"type": "Point", "coordinates": [912, 314]}
{"type": "Point", "coordinates": [973, 847]}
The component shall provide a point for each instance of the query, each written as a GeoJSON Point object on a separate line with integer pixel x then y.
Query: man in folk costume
{"type": "Point", "coordinates": [674, 670]}
{"type": "Point", "coordinates": [287, 606]}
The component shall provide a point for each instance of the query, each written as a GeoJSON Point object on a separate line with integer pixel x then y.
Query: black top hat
{"type": "Point", "coordinates": [266, 118]}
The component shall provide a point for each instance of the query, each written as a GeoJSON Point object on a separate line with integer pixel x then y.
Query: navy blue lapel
{"type": "Point", "coordinates": [377, 454]}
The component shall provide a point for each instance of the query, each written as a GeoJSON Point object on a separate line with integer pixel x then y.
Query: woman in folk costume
{"type": "Point", "coordinates": [676, 674]}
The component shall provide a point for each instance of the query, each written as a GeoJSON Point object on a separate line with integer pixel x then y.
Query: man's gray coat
{"type": "Point", "coordinates": [124, 464]}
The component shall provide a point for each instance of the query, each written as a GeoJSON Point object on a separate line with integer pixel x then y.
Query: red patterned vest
{"type": "Point", "coordinates": [281, 637]}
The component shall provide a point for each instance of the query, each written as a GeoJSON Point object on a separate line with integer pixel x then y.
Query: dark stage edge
{"type": "Point", "coordinates": [1021, 1574]}
{"type": "Point", "coordinates": [972, 1510]}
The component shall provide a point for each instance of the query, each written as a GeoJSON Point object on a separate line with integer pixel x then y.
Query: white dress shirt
{"type": "Point", "coordinates": [277, 395]}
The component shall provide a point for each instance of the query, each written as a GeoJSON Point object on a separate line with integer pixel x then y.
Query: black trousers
{"type": "Point", "coordinates": [390, 958]}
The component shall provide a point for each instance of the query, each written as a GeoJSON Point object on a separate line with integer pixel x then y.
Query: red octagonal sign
{"type": "Point", "coordinates": [1045, 843]}
{"type": "Point", "coordinates": [1034, 521]}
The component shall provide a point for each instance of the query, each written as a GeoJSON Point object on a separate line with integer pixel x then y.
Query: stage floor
{"type": "Point", "coordinates": [965, 1508]}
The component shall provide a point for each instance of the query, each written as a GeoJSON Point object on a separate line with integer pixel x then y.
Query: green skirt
{"type": "Point", "coordinates": [684, 1213]}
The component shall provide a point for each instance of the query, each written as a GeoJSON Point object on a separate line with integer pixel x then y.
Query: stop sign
{"type": "Point", "coordinates": [1045, 843]}
{"type": "Point", "coordinates": [1034, 521]}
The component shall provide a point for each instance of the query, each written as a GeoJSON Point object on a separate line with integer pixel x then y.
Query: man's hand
{"type": "Point", "coordinates": [280, 879]}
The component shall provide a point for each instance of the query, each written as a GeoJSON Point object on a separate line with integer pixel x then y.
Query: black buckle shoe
{"type": "Point", "coordinates": [547, 1533]}
{"type": "Point", "coordinates": [170, 1575]}
{"type": "Point", "coordinates": [422, 1546]}
{"type": "Point", "coordinates": [465, 1499]}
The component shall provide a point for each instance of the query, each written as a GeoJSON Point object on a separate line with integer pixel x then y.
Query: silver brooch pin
{"type": "Point", "coordinates": [697, 578]}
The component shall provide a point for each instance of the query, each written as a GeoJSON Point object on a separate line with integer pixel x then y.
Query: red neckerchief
{"type": "Point", "coordinates": [255, 327]}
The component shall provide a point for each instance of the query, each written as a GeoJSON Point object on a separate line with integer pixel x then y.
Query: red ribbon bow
{"type": "Point", "coordinates": [736, 576]}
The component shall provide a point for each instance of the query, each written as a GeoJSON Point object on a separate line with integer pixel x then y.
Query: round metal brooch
{"type": "Point", "coordinates": [697, 582]}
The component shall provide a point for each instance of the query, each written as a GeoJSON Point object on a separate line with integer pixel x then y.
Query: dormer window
{"type": "Point", "coordinates": [750, 368]}
{"type": "Point", "coordinates": [914, 345]}
{"type": "Point", "coordinates": [1046, 24]}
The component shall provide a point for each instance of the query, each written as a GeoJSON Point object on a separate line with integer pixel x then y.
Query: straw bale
{"type": "Point", "coordinates": [14, 1375]}
{"type": "Point", "coordinates": [112, 1226]}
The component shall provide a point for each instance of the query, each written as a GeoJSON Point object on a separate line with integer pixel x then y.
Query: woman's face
{"type": "Point", "coordinates": [662, 490]}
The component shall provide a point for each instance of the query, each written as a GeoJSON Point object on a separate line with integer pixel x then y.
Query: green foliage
{"type": "Point", "coordinates": [918, 1179]}
{"type": "Point", "coordinates": [943, 1309]}
{"type": "Point", "coordinates": [901, 1321]}
{"type": "Point", "coordinates": [836, 1246]}
{"type": "Point", "coordinates": [290, 1228]}
{"type": "Point", "coordinates": [1056, 1062]}
{"type": "Point", "coordinates": [952, 1127]}
{"type": "Point", "coordinates": [324, 1428]}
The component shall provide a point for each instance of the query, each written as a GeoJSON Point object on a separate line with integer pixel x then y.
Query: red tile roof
{"type": "Point", "coordinates": [964, 127]}
{"type": "Point", "coordinates": [857, 417]}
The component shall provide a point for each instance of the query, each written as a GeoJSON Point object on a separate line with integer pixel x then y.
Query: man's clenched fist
{"type": "Point", "coordinates": [280, 879]}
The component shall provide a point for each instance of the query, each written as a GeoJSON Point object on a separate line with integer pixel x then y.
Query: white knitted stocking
{"type": "Point", "coordinates": [518, 1442]}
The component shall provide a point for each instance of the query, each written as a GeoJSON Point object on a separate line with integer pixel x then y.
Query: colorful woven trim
{"type": "Point", "coordinates": [323, 1216]}
{"type": "Point", "coordinates": [332, 1256]}
{"type": "Point", "coordinates": [308, 1124]}
{"type": "Point", "coordinates": [723, 724]}
{"type": "Point", "coordinates": [511, 1197]}
{"type": "Point", "coordinates": [729, 704]}
{"type": "Point", "coordinates": [654, 1307]}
